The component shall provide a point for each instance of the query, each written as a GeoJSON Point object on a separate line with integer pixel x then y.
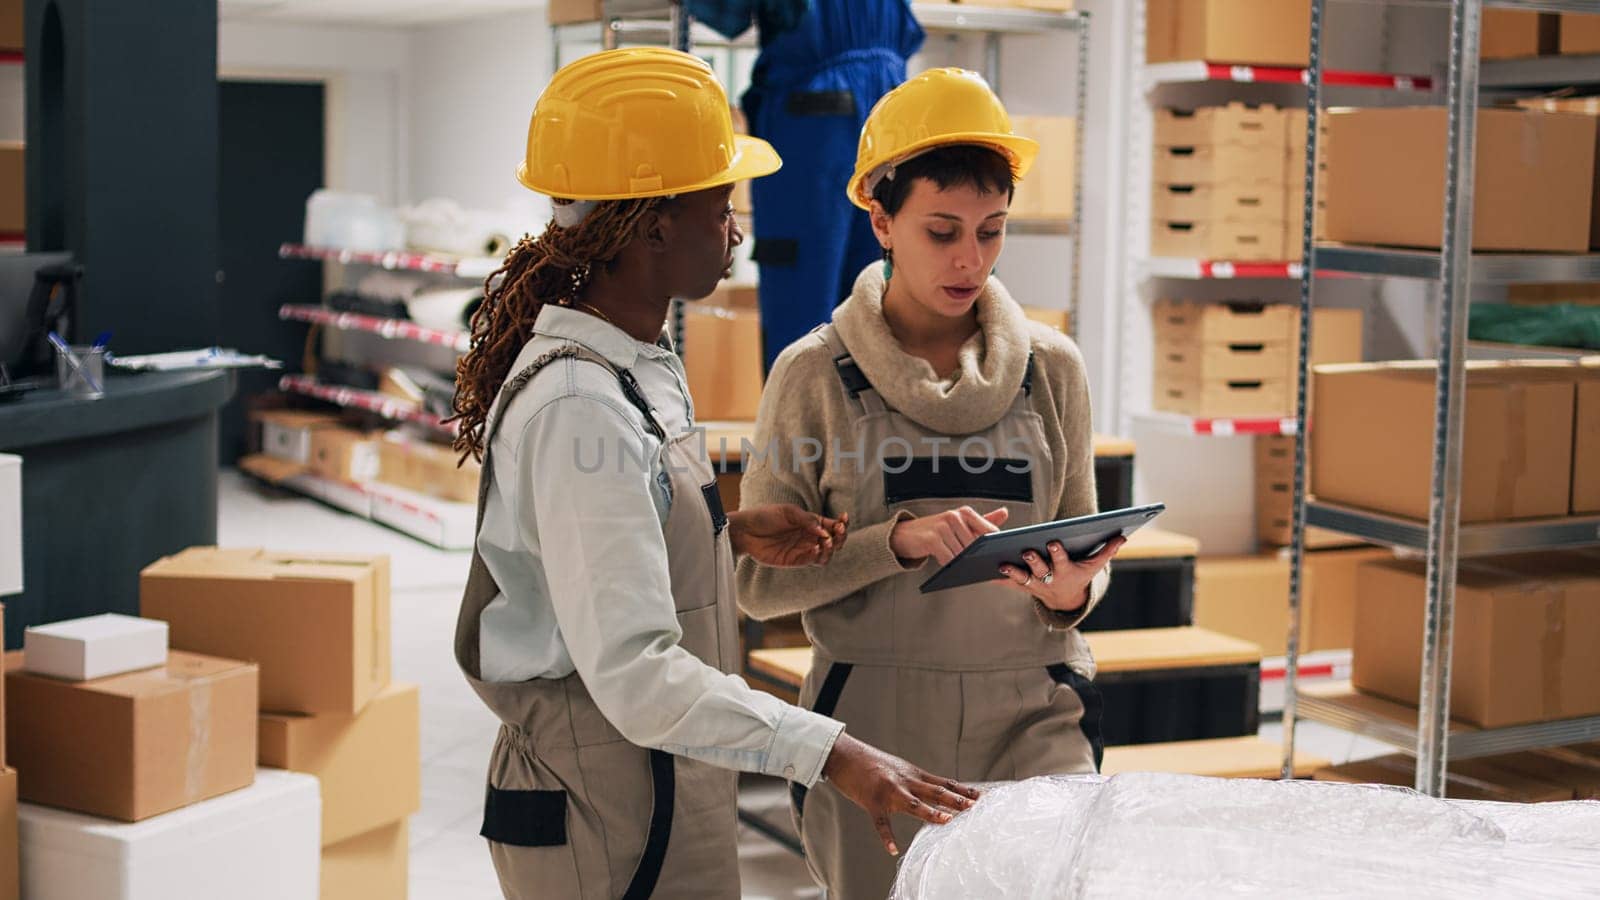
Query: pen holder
{"type": "Point", "coordinates": [88, 378]}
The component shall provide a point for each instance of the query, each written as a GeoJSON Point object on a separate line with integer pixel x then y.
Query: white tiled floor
{"type": "Point", "coordinates": [448, 859]}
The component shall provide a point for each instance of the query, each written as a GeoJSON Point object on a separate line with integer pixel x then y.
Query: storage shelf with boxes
{"type": "Point", "coordinates": [461, 267]}
{"type": "Point", "coordinates": [1200, 71]}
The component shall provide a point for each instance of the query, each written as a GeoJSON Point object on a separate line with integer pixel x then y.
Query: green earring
{"type": "Point", "coordinates": [888, 265]}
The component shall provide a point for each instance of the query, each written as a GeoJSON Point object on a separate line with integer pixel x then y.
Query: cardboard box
{"type": "Point", "coordinates": [13, 188]}
{"type": "Point", "coordinates": [1583, 106]}
{"type": "Point", "coordinates": [317, 623]}
{"type": "Point", "coordinates": [1246, 597]}
{"type": "Point", "coordinates": [566, 12]}
{"type": "Point", "coordinates": [1532, 191]}
{"type": "Point", "coordinates": [1372, 439]}
{"type": "Point", "coordinates": [371, 866]}
{"type": "Point", "coordinates": [1219, 164]}
{"type": "Point", "coordinates": [427, 468]}
{"type": "Point", "coordinates": [1206, 362]}
{"type": "Point", "coordinates": [370, 764]}
{"type": "Point", "coordinates": [1232, 202]}
{"type": "Point", "coordinates": [1328, 617]}
{"type": "Point", "coordinates": [135, 745]}
{"type": "Point", "coordinates": [1586, 441]}
{"type": "Point", "coordinates": [1579, 33]}
{"type": "Point", "coordinates": [95, 647]}
{"type": "Point", "coordinates": [1274, 498]}
{"type": "Point", "coordinates": [1532, 294]}
{"type": "Point", "coordinates": [344, 454]}
{"type": "Point", "coordinates": [1508, 34]}
{"type": "Point", "coordinates": [259, 843]}
{"type": "Point", "coordinates": [9, 880]}
{"type": "Point", "coordinates": [1254, 32]}
{"type": "Point", "coordinates": [1235, 123]}
{"type": "Point", "coordinates": [1471, 779]}
{"type": "Point", "coordinates": [1047, 191]}
{"type": "Point", "coordinates": [722, 356]}
{"type": "Point", "coordinates": [1294, 182]}
{"type": "Point", "coordinates": [11, 38]}
{"type": "Point", "coordinates": [286, 433]}
{"type": "Point", "coordinates": [1521, 650]}
{"type": "Point", "coordinates": [1058, 319]}
{"type": "Point", "coordinates": [1183, 322]}
{"type": "Point", "coordinates": [10, 524]}
{"type": "Point", "coordinates": [1240, 241]}
{"type": "Point", "coordinates": [1221, 397]}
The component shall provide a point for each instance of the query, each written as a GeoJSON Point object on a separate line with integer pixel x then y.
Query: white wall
{"type": "Point", "coordinates": [365, 70]}
{"type": "Point", "coordinates": [472, 88]}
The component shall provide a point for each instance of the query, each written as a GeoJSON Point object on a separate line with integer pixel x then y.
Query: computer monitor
{"type": "Point", "coordinates": [21, 330]}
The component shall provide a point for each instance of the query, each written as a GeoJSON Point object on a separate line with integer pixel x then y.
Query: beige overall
{"type": "Point", "coordinates": [573, 809]}
{"type": "Point", "coordinates": [966, 683]}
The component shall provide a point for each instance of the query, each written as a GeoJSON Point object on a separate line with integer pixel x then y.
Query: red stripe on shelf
{"type": "Point", "coordinates": [1325, 670]}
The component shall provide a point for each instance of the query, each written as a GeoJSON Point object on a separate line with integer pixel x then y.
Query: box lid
{"type": "Point", "coordinates": [181, 669]}
{"type": "Point", "coordinates": [256, 564]}
{"type": "Point", "coordinates": [91, 628]}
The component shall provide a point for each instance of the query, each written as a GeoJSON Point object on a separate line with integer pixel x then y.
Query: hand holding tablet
{"type": "Point", "coordinates": [1080, 537]}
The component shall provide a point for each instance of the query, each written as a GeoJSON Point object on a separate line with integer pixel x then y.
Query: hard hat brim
{"type": "Point", "coordinates": [1017, 150]}
{"type": "Point", "coordinates": [752, 158]}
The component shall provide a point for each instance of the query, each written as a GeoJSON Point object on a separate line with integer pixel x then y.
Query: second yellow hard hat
{"type": "Point", "coordinates": [933, 109]}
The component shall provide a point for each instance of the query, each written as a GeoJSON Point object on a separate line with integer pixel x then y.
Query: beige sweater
{"type": "Point", "coordinates": [802, 399]}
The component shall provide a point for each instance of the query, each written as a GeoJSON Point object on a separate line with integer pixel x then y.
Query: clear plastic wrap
{"type": "Point", "coordinates": [1155, 835]}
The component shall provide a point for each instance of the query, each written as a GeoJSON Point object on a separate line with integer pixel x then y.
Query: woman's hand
{"type": "Point", "coordinates": [944, 535]}
{"type": "Point", "coordinates": [884, 784]}
{"type": "Point", "coordinates": [1059, 582]}
{"type": "Point", "coordinates": [784, 535]}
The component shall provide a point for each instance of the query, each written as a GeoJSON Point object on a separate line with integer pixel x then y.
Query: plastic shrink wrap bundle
{"type": "Point", "coordinates": [1150, 835]}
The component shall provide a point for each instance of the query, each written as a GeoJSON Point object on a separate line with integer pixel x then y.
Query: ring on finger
{"type": "Point", "coordinates": [1048, 577]}
{"type": "Point", "coordinates": [1027, 581]}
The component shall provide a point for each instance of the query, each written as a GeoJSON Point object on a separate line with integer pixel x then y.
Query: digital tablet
{"type": "Point", "coordinates": [1081, 537]}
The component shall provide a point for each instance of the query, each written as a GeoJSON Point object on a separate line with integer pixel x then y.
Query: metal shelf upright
{"type": "Point", "coordinates": [1443, 539]}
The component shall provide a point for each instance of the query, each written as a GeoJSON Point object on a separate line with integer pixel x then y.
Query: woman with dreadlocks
{"type": "Point", "coordinates": [598, 620]}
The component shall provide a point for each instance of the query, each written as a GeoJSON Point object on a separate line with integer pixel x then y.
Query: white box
{"type": "Point", "coordinates": [441, 523]}
{"type": "Point", "coordinates": [95, 646]}
{"type": "Point", "coordinates": [352, 498]}
{"type": "Point", "coordinates": [10, 524]}
{"type": "Point", "coordinates": [259, 843]}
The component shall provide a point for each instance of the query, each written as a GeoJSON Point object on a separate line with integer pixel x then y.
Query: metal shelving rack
{"type": "Point", "coordinates": [1442, 538]}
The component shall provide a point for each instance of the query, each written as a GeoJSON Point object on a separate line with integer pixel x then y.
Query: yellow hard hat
{"type": "Point", "coordinates": [936, 108]}
{"type": "Point", "coordinates": [642, 122]}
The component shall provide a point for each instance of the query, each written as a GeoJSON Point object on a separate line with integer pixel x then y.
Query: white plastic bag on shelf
{"type": "Point", "coordinates": [442, 226]}
{"type": "Point", "coordinates": [341, 220]}
{"type": "Point", "coordinates": [1150, 835]}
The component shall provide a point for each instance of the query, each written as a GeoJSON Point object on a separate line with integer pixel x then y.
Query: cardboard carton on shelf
{"type": "Point", "coordinates": [344, 454]}
{"type": "Point", "coordinates": [1191, 362]}
{"type": "Point", "coordinates": [1383, 179]}
{"type": "Point", "coordinates": [722, 357]}
{"type": "Point", "coordinates": [317, 623]}
{"type": "Point", "coordinates": [569, 12]}
{"type": "Point", "coordinates": [1251, 32]}
{"type": "Point", "coordinates": [286, 433]}
{"type": "Point", "coordinates": [1245, 597]}
{"type": "Point", "coordinates": [1184, 322]}
{"type": "Point", "coordinates": [1513, 34]}
{"type": "Point", "coordinates": [1372, 438]}
{"type": "Point", "coordinates": [369, 764]}
{"type": "Point", "coordinates": [1241, 241]}
{"type": "Point", "coordinates": [1533, 294]}
{"type": "Point", "coordinates": [1586, 440]}
{"type": "Point", "coordinates": [1257, 202]}
{"type": "Point", "coordinates": [1235, 123]}
{"type": "Point", "coordinates": [258, 843]}
{"type": "Point", "coordinates": [1580, 33]}
{"type": "Point", "coordinates": [1219, 164]}
{"type": "Point", "coordinates": [135, 745]}
{"type": "Point", "coordinates": [435, 470]}
{"type": "Point", "coordinates": [1583, 106]}
{"type": "Point", "coordinates": [1221, 398]}
{"type": "Point", "coordinates": [1058, 319]}
{"type": "Point", "coordinates": [1046, 192]}
{"type": "Point", "coordinates": [1519, 652]}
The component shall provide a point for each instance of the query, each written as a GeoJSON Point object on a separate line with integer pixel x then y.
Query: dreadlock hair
{"type": "Point", "coordinates": [555, 268]}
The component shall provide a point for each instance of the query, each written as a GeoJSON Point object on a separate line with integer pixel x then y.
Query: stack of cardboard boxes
{"type": "Point", "coordinates": [1047, 192]}
{"type": "Point", "coordinates": [722, 354]}
{"type": "Point", "coordinates": [1240, 358]}
{"type": "Point", "coordinates": [1249, 32]}
{"type": "Point", "coordinates": [318, 625]}
{"type": "Point", "coordinates": [1219, 187]}
{"type": "Point", "coordinates": [1509, 34]}
{"type": "Point", "coordinates": [138, 766]}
